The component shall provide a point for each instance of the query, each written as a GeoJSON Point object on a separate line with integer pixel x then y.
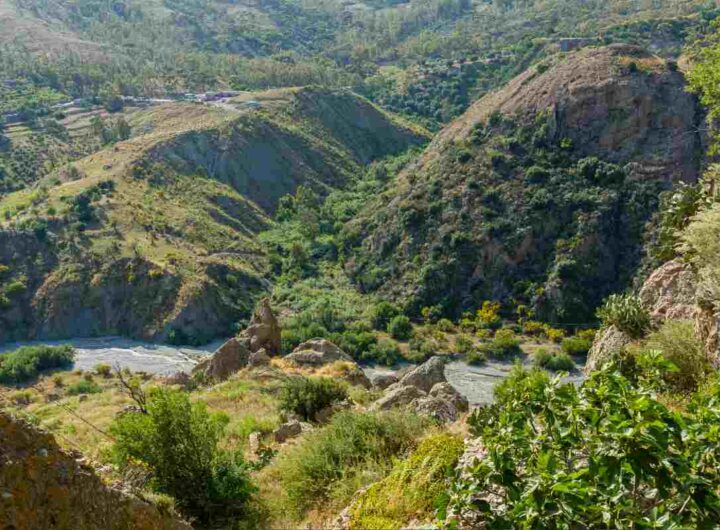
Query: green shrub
{"type": "Point", "coordinates": [400, 328]}
{"type": "Point", "coordinates": [464, 344]}
{"type": "Point", "coordinates": [292, 337]}
{"type": "Point", "coordinates": [178, 441]}
{"type": "Point", "coordinates": [103, 370]}
{"type": "Point", "coordinates": [341, 451]}
{"type": "Point", "coordinates": [677, 341]}
{"type": "Point", "coordinates": [554, 361]}
{"type": "Point", "coordinates": [83, 387]}
{"type": "Point", "coordinates": [488, 316]}
{"type": "Point", "coordinates": [385, 352]}
{"type": "Point", "coordinates": [306, 396]}
{"type": "Point", "coordinates": [503, 346]}
{"type": "Point", "coordinates": [625, 312]}
{"type": "Point", "coordinates": [445, 325]}
{"type": "Point", "coordinates": [607, 451]}
{"type": "Point", "coordinates": [413, 490]}
{"type": "Point", "coordinates": [355, 343]}
{"type": "Point", "coordinates": [576, 346]}
{"type": "Point", "coordinates": [382, 315]}
{"type": "Point", "coordinates": [27, 362]}
{"type": "Point", "coordinates": [475, 357]}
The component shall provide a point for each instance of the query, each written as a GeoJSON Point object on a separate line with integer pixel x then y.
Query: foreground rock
{"type": "Point", "coordinates": [317, 352]}
{"type": "Point", "coordinates": [43, 486]}
{"type": "Point", "coordinates": [228, 359]}
{"type": "Point", "coordinates": [447, 392]}
{"type": "Point", "coordinates": [670, 292]}
{"type": "Point", "coordinates": [608, 341]}
{"type": "Point", "coordinates": [426, 375]}
{"type": "Point", "coordinates": [397, 396]}
{"type": "Point", "coordinates": [263, 331]}
{"type": "Point", "coordinates": [382, 381]}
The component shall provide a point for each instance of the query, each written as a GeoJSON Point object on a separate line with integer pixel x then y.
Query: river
{"type": "Point", "coordinates": [476, 383]}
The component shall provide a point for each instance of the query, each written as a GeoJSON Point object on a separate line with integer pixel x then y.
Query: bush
{"type": "Point", "coordinates": [384, 352]}
{"type": "Point", "coordinates": [445, 325]}
{"type": "Point", "coordinates": [504, 345]}
{"type": "Point", "coordinates": [413, 490]}
{"type": "Point", "coordinates": [554, 361]}
{"type": "Point", "coordinates": [625, 312]}
{"type": "Point", "coordinates": [355, 343]}
{"type": "Point", "coordinates": [83, 387]}
{"type": "Point", "coordinates": [576, 346]}
{"type": "Point", "coordinates": [400, 328]}
{"type": "Point", "coordinates": [677, 341]}
{"type": "Point", "coordinates": [488, 316]}
{"type": "Point", "coordinates": [27, 362]}
{"type": "Point", "coordinates": [306, 396]}
{"type": "Point", "coordinates": [383, 314]}
{"type": "Point", "coordinates": [475, 357]}
{"type": "Point", "coordinates": [103, 370]}
{"type": "Point", "coordinates": [292, 337]}
{"type": "Point", "coordinates": [533, 327]}
{"type": "Point", "coordinates": [341, 451]}
{"type": "Point", "coordinates": [554, 334]}
{"type": "Point", "coordinates": [464, 344]}
{"type": "Point", "coordinates": [178, 441]}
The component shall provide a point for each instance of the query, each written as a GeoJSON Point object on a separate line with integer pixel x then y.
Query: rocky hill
{"type": "Point", "coordinates": [538, 194]}
{"type": "Point", "coordinates": [155, 236]}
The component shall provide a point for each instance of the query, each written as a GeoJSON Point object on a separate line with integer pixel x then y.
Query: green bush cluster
{"type": "Point", "coordinates": [554, 361]}
{"type": "Point", "coordinates": [306, 396]}
{"type": "Point", "coordinates": [400, 328]}
{"type": "Point", "coordinates": [341, 451]}
{"type": "Point", "coordinates": [504, 345]}
{"type": "Point", "coordinates": [178, 441]}
{"type": "Point", "coordinates": [83, 387]}
{"type": "Point", "coordinates": [627, 313]}
{"type": "Point", "coordinates": [576, 346]}
{"type": "Point", "coordinates": [27, 362]}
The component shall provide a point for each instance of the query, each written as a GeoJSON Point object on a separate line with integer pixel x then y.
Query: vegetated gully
{"type": "Point", "coordinates": [474, 382]}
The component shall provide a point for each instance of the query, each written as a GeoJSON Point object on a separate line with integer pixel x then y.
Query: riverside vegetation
{"type": "Point", "coordinates": [521, 184]}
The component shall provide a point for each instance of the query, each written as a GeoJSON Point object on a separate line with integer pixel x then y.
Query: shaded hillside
{"type": "Point", "coordinates": [539, 194]}
{"type": "Point", "coordinates": [155, 236]}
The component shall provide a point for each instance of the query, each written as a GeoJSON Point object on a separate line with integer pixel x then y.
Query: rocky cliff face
{"type": "Point", "coordinates": [539, 193]}
{"type": "Point", "coordinates": [44, 487]}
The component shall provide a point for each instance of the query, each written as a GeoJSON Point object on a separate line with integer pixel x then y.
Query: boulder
{"type": "Point", "coordinates": [426, 375]}
{"type": "Point", "coordinates": [607, 342]}
{"type": "Point", "coordinates": [264, 330]}
{"type": "Point", "coordinates": [448, 392]}
{"type": "Point", "coordinates": [228, 359]}
{"type": "Point", "coordinates": [178, 378]}
{"type": "Point", "coordinates": [398, 395]}
{"type": "Point", "coordinates": [437, 408]}
{"type": "Point", "coordinates": [317, 352]}
{"type": "Point", "coordinates": [670, 292]}
{"type": "Point", "coordinates": [259, 358]}
{"type": "Point", "coordinates": [382, 381]}
{"type": "Point", "coordinates": [288, 430]}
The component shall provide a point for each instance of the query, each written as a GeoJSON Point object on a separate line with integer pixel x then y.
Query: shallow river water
{"type": "Point", "coordinates": [474, 382]}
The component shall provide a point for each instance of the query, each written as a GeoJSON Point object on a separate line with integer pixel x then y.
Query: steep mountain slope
{"type": "Point", "coordinates": [539, 193]}
{"type": "Point", "coordinates": [155, 236]}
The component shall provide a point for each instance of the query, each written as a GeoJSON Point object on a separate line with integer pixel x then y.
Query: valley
{"type": "Point", "coordinates": [368, 265]}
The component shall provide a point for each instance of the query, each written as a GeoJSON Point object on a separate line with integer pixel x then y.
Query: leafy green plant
{"type": "Point", "coordinates": [384, 352]}
{"type": "Point", "coordinates": [27, 362]}
{"type": "Point", "coordinates": [576, 346]}
{"type": "Point", "coordinates": [306, 396]}
{"type": "Point", "coordinates": [382, 315]}
{"type": "Point", "coordinates": [400, 328]}
{"type": "Point", "coordinates": [178, 441]}
{"type": "Point", "coordinates": [554, 361]}
{"type": "Point", "coordinates": [608, 453]}
{"type": "Point", "coordinates": [83, 387]}
{"type": "Point", "coordinates": [625, 312]}
{"type": "Point", "coordinates": [503, 346]}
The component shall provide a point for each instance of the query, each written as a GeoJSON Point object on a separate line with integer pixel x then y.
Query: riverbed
{"type": "Point", "coordinates": [476, 383]}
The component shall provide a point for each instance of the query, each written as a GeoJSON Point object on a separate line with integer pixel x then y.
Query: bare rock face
{"type": "Point", "coordinates": [317, 352]}
{"type": "Point", "coordinates": [382, 381]}
{"type": "Point", "coordinates": [670, 292]}
{"type": "Point", "coordinates": [228, 359]}
{"type": "Point", "coordinates": [264, 330]}
{"type": "Point", "coordinates": [426, 375]}
{"type": "Point", "coordinates": [607, 342]}
{"type": "Point", "coordinates": [398, 395]}
{"type": "Point", "coordinates": [43, 486]}
{"type": "Point", "coordinates": [448, 393]}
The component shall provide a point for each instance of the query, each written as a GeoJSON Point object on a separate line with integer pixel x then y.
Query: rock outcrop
{"type": "Point", "coordinates": [670, 292]}
{"type": "Point", "coordinates": [382, 381]}
{"type": "Point", "coordinates": [263, 331]}
{"type": "Point", "coordinates": [43, 487]}
{"type": "Point", "coordinates": [317, 352]}
{"type": "Point", "coordinates": [398, 396]}
{"type": "Point", "coordinates": [427, 375]}
{"type": "Point", "coordinates": [228, 359]}
{"type": "Point", "coordinates": [607, 342]}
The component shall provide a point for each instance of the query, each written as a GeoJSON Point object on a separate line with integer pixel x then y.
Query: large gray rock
{"type": "Point", "coordinates": [607, 342]}
{"type": "Point", "coordinates": [317, 352]}
{"type": "Point", "coordinates": [426, 375]}
{"type": "Point", "coordinates": [264, 330]}
{"type": "Point", "coordinates": [259, 358]}
{"type": "Point", "coordinates": [228, 359]}
{"type": "Point", "coordinates": [437, 408]}
{"type": "Point", "coordinates": [448, 393]}
{"type": "Point", "coordinates": [382, 381]}
{"type": "Point", "coordinates": [398, 395]}
{"type": "Point", "coordinates": [287, 430]}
